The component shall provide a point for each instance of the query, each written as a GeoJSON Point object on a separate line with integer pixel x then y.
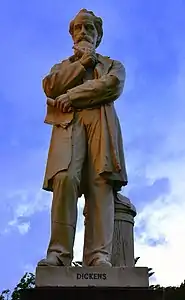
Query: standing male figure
{"type": "Point", "coordinates": [86, 152]}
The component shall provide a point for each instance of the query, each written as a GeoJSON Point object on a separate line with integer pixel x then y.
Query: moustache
{"type": "Point", "coordinates": [84, 38]}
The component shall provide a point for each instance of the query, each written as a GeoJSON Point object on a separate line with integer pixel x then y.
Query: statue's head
{"type": "Point", "coordinates": [86, 27]}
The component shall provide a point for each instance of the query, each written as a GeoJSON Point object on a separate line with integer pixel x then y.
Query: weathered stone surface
{"type": "Point", "coordinates": [123, 238]}
{"type": "Point", "coordinates": [91, 276]}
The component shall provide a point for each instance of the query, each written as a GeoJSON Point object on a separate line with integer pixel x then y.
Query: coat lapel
{"type": "Point", "coordinates": [103, 66]}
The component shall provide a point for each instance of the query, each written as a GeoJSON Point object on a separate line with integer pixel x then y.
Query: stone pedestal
{"type": "Point", "coordinates": [91, 276]}
{"type": "Point", "coordinates": [123, 239]}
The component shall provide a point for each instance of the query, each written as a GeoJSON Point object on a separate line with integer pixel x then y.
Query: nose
{"type": "Point", "coordinates": [83, 30]}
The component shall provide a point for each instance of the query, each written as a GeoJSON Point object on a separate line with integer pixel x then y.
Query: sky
{"type": "Point", "coordinates": [148, 38]}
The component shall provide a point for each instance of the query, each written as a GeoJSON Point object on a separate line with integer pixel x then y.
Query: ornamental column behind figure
{"type": "Point", "coordinates": [86, 152]}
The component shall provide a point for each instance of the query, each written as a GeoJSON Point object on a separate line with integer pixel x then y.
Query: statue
{"type": "Point", "coordinates": [86, 152]}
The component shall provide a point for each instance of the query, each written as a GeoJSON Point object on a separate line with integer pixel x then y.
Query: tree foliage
{"type": "Point", "coordinates": [26, 282]}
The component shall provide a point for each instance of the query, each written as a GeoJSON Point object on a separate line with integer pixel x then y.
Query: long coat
{"type": "Point", "coordinates": [67, 77]}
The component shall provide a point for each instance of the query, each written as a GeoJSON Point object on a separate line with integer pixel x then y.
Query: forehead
{"type": "Point", "coordinates": [84, 19]}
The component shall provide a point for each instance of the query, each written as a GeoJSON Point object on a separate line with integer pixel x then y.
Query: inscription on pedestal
{"type": "Point", "coordinates": [91, 276]}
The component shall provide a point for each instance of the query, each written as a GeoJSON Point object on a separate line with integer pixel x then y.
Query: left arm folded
{"type": "Point", "coordinates": [99, 91]}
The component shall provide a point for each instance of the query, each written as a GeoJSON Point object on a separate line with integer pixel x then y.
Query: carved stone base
{"type": "Point", "coordinates": [91, 276]}
{"type": "Point", "coordinates": [123, 238]}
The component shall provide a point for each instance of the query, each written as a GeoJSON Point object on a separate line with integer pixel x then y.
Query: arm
{"type": "Point", "coordinates": [99, 91]}
{"type": "Point", "coordinates": [62, 77]}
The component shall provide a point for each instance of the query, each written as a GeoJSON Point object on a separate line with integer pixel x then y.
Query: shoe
{"type": "Point", "coordinates": [51, 260]}
{"type": "Point", "coordinates": [99, 262]}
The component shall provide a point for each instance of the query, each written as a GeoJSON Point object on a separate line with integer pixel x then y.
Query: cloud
{"type": "Point", "coordinates": [164, 223]}
{"type": "Point", "coordinates": [23, 205]}
{"type": "Point", "coordinates": [160, 224]}
{"type": "Point", "coordinates": [23, 228]}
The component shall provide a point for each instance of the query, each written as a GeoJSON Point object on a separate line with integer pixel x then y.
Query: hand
{"type": "Point", "coordinates": [63, 103]}
{"type": "Point", "coordinates": [88, 56]}
{"type": "Point", "coordinates": [88, 59]}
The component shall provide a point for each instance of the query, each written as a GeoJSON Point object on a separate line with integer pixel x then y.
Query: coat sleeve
{"type": "Point", "coordinates": [62, 77]}
{"type": "Point", "coordinates": [99, 91]}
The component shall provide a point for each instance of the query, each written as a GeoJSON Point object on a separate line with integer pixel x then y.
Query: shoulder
{"type": "Point", "coordinates": [56, 67]}
{"type": "Point", "coordinates": [113, 62]}
{"type": "Point", "coordinates": [118, 64]}
{"type": "Point", "coordinates": [118, 67]}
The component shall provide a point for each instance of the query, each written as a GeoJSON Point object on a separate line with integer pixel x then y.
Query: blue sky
{"type": "Point", "coordinates": [148, 37]}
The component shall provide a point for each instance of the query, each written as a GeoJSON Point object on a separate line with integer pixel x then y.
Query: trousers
{"type": "Point", "coordinates": [99, 224]}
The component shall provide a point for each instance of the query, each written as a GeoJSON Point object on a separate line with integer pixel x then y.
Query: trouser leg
{"type": "Point", "coordinates": [65, 196]}
{"type": "Point", "coordinates": [63, 216]}
{"type": "Point", "coordinates": [99, 222]}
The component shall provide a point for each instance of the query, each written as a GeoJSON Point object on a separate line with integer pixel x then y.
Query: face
{"type": "Point", "coordinates": [85, 30]}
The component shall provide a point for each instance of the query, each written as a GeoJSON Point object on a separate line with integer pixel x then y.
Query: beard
{"type": "Point", "coordinates": [83, 44]}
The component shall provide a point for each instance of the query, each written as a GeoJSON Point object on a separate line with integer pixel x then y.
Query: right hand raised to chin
{"type": "Point", "coordinates": [88, 57]}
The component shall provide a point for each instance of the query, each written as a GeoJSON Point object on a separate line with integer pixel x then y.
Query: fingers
{"type": "Point", "coordinates": [88, 59]}
{"type": "Point", "coordinates": [79, 50]}
{"type": "Point", "coordinates": [63, 105]}
{"type": "Point", "coordinates": [91, 54]}
{"type": "Point", "coordinates": [70, 109]}
{"type": "Point", "coordinates": [92, 59]}
{"type": "Point", "coordinates": [51, 102]}
{"type": "Point", "coordinates": [67, 109]}
{"type": "Point", "coordinates": [60, 104]}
